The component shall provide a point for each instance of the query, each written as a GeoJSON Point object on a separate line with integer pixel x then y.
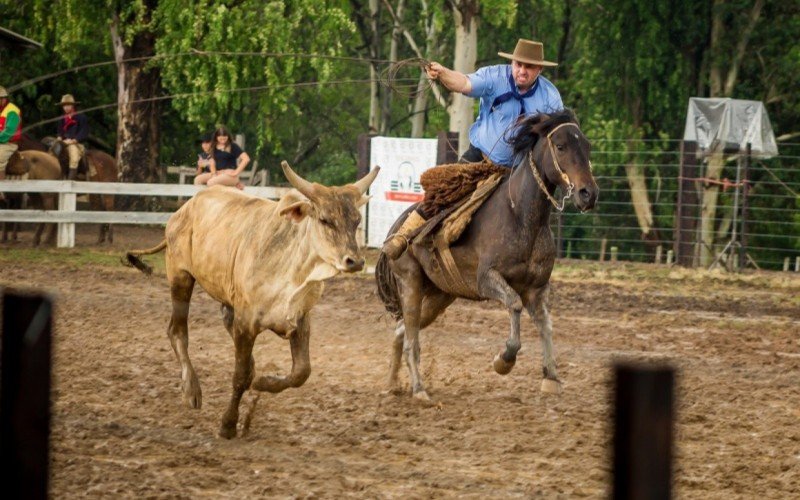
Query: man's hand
{"type": "Point", "coordinates": [452, 80]}
{"type": "Point", "coordinates": [433, 69]}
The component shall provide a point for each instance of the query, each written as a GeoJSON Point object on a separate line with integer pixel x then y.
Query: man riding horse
{"type": "Point", "coordinates": [73, 129]}
{"type": "Point", "coordinates": [10, 131]}
{"type": "Point", "coordinates": [508, 93]}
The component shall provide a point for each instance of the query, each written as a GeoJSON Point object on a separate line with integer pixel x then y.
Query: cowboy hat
{"type": "Point", "coordinates": [529, 52]}
{"type": "Point", "coordinates": [67, 99]}
{"type": "Point", "coordinates": [3, 92]}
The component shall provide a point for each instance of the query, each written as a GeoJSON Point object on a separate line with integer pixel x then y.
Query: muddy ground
{"type": "Point", "coordinates": [119, 428]}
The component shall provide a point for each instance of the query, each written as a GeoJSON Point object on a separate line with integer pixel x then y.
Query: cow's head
{"type": "Point", "coordinates": [333, 217]}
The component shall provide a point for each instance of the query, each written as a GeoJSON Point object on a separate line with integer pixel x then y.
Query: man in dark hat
{"type": "Point", "coordinates": [73, 129]}
{"type": "Point", "coordinates": [507, 93]}
{"type": "Point", "coordinates": [10, 131]}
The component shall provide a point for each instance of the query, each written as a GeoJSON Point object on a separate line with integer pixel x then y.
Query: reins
{"type": "Point", "coordinates": [564, 177]}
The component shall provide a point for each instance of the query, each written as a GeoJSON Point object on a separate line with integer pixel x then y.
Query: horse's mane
{"type": "Point", "coordinates": [526, 135]}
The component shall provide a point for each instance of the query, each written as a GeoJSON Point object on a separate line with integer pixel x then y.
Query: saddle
{"type": "Point", "coordinates": [466, 188]}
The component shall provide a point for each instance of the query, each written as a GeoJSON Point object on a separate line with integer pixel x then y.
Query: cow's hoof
{"type": "Point", "coordinates": [502, 366]}
{"type": "Point", "coordinates": [192, 395]}
{"type": "Point", "coordinates": [550, 386]}
{"type": "Point", "coordinates": [227, 431]}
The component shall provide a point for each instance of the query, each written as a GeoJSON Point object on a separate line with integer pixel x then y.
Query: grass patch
{"type": "Point", "coordinates": [72, 257]}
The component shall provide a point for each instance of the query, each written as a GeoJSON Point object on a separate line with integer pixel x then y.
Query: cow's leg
{"type": "Point", "coordinates": [537, 308]}
{"type": "Point", "coordinates": [228, 315]}
{"type": "Point", "coordinates": [243, 341]}
{"type": "Point", "coordinates": [301, 362]}
{"type": "Point", "coordinates": [181, 286]}
{"type": "Point", "coordinates": [492, 285]}
{"type": "Point", "coordinates": [432, 306]}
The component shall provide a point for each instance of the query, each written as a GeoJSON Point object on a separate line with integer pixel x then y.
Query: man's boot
{"type": "Point", "coordinates": [398, 242]}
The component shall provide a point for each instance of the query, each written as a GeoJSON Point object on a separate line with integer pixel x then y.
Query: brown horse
{"type": "Point", "coordinates": [505, 254]}
{"type": "Point", "coordinates": [97, 166]}
{"type": "Point", "coordinates": [33, 165]}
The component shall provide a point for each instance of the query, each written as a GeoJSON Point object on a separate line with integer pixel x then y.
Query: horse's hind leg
{"type": "Point", "coordinates": [432, 305]}
{"type": "Point", "coordinates": [181, 286]}
{"type": "Point", "coordinates": [410, 287]}
{"type": "Point", "coordinates": [537, 308]}
{"type": "Point", "coordinates": [492, 285]}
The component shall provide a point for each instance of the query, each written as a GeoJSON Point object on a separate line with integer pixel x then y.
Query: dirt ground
{"type": "Point", "coordinates": [119, 428]}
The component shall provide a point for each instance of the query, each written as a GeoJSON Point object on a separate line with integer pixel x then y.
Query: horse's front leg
{"type": "Point", "coordinates": [536, 306]}
{"type": "Point", "coordinates": [492, 285]}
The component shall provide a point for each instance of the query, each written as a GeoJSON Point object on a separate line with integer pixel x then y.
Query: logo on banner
{"type": "Point", "coordinates": [404, 186]}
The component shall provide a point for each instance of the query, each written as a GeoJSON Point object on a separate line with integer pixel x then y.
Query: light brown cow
{"type": "Point", "coordinates": [265, 262]}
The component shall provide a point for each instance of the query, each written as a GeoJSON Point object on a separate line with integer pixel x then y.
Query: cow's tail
{"type": "Point", "coordinates": [387, 287]}
{"type": "Point", "coordinates": [132, 257]}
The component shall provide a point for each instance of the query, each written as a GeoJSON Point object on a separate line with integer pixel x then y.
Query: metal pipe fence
{"type": "Point", "coordinates": [768, 219]}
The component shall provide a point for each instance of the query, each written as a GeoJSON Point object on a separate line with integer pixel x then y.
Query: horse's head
{"type": "Point", "coordinates": [557, 145]}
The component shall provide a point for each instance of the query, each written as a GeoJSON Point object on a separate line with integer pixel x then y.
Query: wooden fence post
{"type": "Point", "coordinates": [643, 432]}
{"type": "Point", "coordinates": [686, 208]}
{"type": "Point", "coordinates": [446, 147]}
{"type": "Point", "coordinates": [603, 244]}
{"type": "Point", "coordinates": [67, 202]}
{"type": "Point", "coordinates": [25, 395]}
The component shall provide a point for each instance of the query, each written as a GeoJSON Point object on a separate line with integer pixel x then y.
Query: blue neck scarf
{"type": "Point", "coordinates": [514, 94]}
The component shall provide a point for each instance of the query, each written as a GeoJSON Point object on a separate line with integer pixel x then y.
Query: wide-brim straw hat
{"type": "Point", "coordinates": [3, 92]}
{"type": "Point", "coordinates": [529, 52]}
{"type": "Point", "coordinates": [67, 99]}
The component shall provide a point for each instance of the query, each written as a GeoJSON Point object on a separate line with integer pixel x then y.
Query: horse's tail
{"type": "Point", "coordinates": [132, 257]}
{"type": "Point", "coordinates": [387, 287]}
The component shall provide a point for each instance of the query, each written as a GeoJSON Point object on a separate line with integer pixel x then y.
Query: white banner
{"type": "Point", "coordinates": [397, 187]}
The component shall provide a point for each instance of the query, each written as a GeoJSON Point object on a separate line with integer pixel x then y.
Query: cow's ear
{"type": "Point", "coordinates": [297, 211]}
{"type": "Point", "coordinates": [363, 201]}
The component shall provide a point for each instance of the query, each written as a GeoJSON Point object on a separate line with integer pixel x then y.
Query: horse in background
{"type": "Point", "coordinates": [32, 165]}
{"type": "Point", "coordinates": [96, 166]}
{"type": "Point", "coordinates": [506, 253]}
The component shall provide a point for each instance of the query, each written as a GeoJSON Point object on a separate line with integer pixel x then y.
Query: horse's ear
{"type": "Point", "coordinates": [537, 123]}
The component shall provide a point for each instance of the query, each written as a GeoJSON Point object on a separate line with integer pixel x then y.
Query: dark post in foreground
{"type": "Point", "coordinates": [25, 394]}
{"type": "Point", "coordinates": [643, 432]}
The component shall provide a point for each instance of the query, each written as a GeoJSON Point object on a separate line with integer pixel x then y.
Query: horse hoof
{"type": "Point", "coordinates": [227, 431]}
{"type": "Point", "coordinates": [502, 366]}
{"type": "Point", "coordinates": [422, 397]}
{"type": "Point", "coordinates": [550, 386]}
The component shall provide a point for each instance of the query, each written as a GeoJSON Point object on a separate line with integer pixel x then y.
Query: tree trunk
{"type": "Point", "coordinates": [721, 84]}
{"type": "Point", "coordinates": [397, 33]}
{"type": "Point", "coordinates": [374, 53]}
{"type": "Point", "coordinates": [465, 13]}
{"type": "Point", "coordinates": [138, 127]}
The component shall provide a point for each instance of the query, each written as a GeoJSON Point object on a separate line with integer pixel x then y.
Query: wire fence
{"type": "Point", "coordinates": [767, 218]}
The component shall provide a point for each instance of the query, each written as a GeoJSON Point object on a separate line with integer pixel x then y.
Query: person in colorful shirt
{"type": "Point", "coordinates": [507, 93]}
{"type": "Point", "coordinates": [10, 130]}
{"type": "Point", "coordinates": [73, 129]}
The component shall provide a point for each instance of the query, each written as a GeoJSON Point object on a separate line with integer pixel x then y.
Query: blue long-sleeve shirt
{"type": "Point", "coordinates": [493, 127]}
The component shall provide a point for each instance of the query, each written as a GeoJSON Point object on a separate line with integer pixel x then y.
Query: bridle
{"type": "Point", "coordinates": [564, 177]}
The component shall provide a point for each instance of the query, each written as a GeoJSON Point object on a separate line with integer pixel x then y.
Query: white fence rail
{"type": "Point", "coordinates": [67, 215]}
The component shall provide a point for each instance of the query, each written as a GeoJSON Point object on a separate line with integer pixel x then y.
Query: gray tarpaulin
{"type": "Point", "coordinates": [723, 124]}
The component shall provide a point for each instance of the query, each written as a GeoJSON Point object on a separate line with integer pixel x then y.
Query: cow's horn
{"type": "Point", "coordinates": [363, 183]}
{"type": "Point", "coordinates": [298, 182]}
